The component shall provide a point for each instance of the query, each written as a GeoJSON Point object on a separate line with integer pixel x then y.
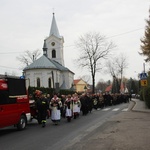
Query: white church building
{"type": "Point", "coordinates": [49, 71]}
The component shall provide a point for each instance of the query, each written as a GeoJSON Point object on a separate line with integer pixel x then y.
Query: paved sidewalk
{"type": "Point", "coordinates": [140, 106]}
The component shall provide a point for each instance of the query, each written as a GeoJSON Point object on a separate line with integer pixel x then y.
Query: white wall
{"type": "Point", "coordinates": [43, 74]}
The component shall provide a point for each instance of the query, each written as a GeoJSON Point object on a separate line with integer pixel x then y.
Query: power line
{"type": "Point", "coordinates": [74, 45]}
{"type": "Point", "coordinates": [9, 67]}
{"type": "Point", "coordinates": [10, 52]}
{"type": "Point", "coordinates": [25, 51]}
{"type": "Point", "coordinates": [125, 33]}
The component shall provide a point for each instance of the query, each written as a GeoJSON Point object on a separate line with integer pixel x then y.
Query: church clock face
{"type": "Point", "coordinates": [53, 43]}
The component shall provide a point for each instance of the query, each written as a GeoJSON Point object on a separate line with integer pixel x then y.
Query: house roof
{"type": "Point", "coordinates": [76, 81]}
{"type": "Point", "coordinates": [108, 89]}
{"type": "Point", "coordinates": [79, 81]}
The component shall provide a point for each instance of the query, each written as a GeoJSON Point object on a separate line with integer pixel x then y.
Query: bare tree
{"type": "Point", "coordinates": [93, 49]}
{"type": "Point", "coordinates": [111, 68]}
{"type": "Point", "coordinates": [101, 85]}
{"type": "Point", "coordinates": [122, 64]}
{"type": "Point", "coordinates": [28, 57]}
{"type": "Point", "coordinates": [116, 68]}
{"type": "Point", "coordinates": [86, 78]}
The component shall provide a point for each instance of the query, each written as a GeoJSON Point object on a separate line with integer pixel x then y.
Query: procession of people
{"type": "Point", "coordinates": [70, 107]}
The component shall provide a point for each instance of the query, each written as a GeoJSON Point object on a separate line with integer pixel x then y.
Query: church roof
{"type": "Point", "coordinates": [59, 66]}
{"type": "Point", "coordinates": [45, 63]}
{"type": "Point", "coordinates": [54, 29]}
{"type": "Point", "coordinates": [42, 62]}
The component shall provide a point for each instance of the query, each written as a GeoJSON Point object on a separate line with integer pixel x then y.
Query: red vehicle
{"type": "Point", "coordinates": [14, 103]}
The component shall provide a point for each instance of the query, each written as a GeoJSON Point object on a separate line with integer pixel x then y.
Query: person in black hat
{"type": "Point", "coordinates": [42, 108]}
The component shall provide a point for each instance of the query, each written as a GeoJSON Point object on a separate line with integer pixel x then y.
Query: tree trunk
{"type": "Point", "coordinates": [93, 84]}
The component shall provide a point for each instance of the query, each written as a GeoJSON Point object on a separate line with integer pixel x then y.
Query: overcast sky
{"type": "Point", "coordinates": [25, 24]}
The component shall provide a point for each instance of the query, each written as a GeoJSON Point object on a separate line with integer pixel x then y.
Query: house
{"type": "Point", "coordinates": [80, 85]}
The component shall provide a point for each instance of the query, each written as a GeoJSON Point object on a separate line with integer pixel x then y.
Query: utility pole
{"type": "Point", "coordinates": [144, 67]}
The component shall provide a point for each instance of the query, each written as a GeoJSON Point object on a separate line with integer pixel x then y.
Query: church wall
{"type": "Point", "coordinates": [44, 75]}
{"type": "Point", "coordinates": [69, 77]}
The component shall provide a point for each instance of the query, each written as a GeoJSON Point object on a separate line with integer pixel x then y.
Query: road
{"type": "Point", "coordinates": [62, 136]}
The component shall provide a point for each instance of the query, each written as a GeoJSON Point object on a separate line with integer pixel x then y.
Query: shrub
{"type": "Point", "coordinates": [31, 90]}
{"type": "Point", "coordinates": [146, 93]}
{"type": "Point", "coordinates": [142, 95]}
{"type": "Point", "coordinates": [50, 91]}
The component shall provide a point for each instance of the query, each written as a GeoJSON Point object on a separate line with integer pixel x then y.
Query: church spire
{"type": "Point", "coordinates": [54, 28]}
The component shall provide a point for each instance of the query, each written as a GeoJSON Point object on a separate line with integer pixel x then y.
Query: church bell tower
{"type": "Point", "coordinates": [55, 43]}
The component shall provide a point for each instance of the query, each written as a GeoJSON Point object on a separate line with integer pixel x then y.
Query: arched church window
{"type": "Point", "coordinates": [38, 82]}
{"type": "Point", "coordinates": [53, 53]}
{"type": "Point", "coordinates": [49, 83]}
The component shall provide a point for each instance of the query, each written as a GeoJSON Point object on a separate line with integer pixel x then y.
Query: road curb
{"type": "Point", "coordinates": [143, 110]}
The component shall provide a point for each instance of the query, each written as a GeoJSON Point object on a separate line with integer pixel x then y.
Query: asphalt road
{"type": "Point", "coordinates": [62, 136]}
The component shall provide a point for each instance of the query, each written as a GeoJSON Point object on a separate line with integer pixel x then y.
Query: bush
{"type": "Point", "coordinates": [142, 94]}
{"type": "Point", "coordinates": [66, 92]}
{"type": "Point", "coordinates": [31, 90]}
{"type": "Point", "coordinates": [50, 91]}
{"type": "Point", "coordinates": [146, 93]}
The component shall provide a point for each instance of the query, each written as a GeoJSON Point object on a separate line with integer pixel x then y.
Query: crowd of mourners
{"type": "Point", "coordinates": [71, 106]}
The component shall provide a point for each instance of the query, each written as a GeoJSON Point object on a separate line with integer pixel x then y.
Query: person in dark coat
{"type": "Point", "coordinates": [90, 102]}
{"type": "Point", "coordinates": [42, 106]}
{"type": "Point", "coordinates": [84, 104]}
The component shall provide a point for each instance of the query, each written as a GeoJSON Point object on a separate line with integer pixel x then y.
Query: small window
{"type": "Point", "coordinates": [14, 90]}
{"type": "Point", "coordinates": [4, 97]}
{"type": "Point", "coordinates": [38, 82]}
{"type": "Point", "coordinates": [49, 83]}
{"type": "Point", "coordinates": [53, 53]}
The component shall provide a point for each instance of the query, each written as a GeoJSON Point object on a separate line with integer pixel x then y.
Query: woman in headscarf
{"type": "Point", "coordinates": [68, 108]}
{"type": "Point", "coordinates": [55, 106]}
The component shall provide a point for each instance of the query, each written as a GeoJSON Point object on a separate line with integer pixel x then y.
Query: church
{"type": "Point", "coordinates": [49, 70]}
